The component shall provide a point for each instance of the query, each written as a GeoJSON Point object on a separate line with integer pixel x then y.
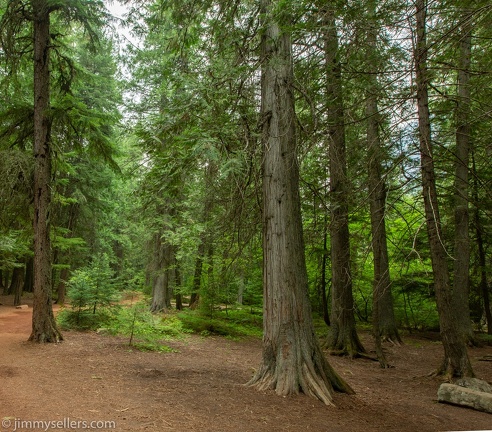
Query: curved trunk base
{"type": "Point", "coordinates": [345, 344]}
{"type": "Point", "coordinates": [391, 335]}
{"type": "Point", "coordinates": [45, 332]}
{"type": "Point", "coordinates": [312, 376]}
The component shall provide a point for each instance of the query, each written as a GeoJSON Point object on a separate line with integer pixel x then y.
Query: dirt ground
{"type": "Point", "coordinates": [200, 387]}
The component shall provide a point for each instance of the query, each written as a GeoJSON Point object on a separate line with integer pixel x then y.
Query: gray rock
{"type": "Point", "coordinates": [463, 396]}
{"type": "Point", "coordinates": [475, 384]}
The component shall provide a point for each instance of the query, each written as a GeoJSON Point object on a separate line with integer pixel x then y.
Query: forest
{"type": "Point", "coordinates": [315, 174]}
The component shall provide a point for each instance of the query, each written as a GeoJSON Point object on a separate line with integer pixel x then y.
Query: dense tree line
{"type": "Point", "coordinates": [320, 158]}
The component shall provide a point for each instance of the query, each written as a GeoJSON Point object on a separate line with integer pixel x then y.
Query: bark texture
{"type": "Point", "coordinates": [292, 358]}
{"type": "Point", "coordinates": [461, 285]}
{"type": "Point", "coordinates": [383, 316]}
{"type": "Point", "coordinates": [343, 337]}
{"type": "Point", "coordinates": [162, 275]}
{"type": "Point", "coordinates": [44, 328]}
{"type": "Point", "coordinates": [456, 361]}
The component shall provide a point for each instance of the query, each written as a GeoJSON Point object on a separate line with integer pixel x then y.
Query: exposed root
{"type": "Point", "coordinates": [313, 377]}
{"type": "Point", "coordinates": [352, 354]}
{"type": "Point", "coordinates": [392, 341]}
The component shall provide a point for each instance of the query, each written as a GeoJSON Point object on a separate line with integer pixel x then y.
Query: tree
{"type": "Point", "coordinates": [292, 359]}
{"type": "Point", "coordinates": [384, 325]}
{"type": "Point", "coordinates": [343, 336]}
{"type": "Point", "coordinates": [51, 112]}
{"type": "Point", "coordinates": [44, 328]}
{"type": "Point", "coordinates": [456, 361]}
{"type": "Point", "coordinates": [461, 276]}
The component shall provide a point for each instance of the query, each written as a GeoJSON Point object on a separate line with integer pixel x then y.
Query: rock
{"type": "Point", "coordinates": [22, 307]}
{"type": "Point", "coordinates": [475, 384]}
{"type": "Point", "coordinates": [467, 397]}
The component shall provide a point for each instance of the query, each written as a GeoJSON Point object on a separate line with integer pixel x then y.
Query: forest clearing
{"type": "Point", "coordinates": [200, 194]}
{"type": "Point", "coordinates": [200, 386]}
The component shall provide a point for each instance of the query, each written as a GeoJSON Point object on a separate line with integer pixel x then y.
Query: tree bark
{"type": "Point", "coordinates": [324, 259]}
{"type": "Point", "coordinates": [343, 338]}
{"type": "Point", "coordinates": [384, 323]}
{"type": "Point", "coordinates": [44, 328]}
{"type": "Point", "coordinates": [16, 284]}
{"type": "Point", "coordinates": [461, 285]}
{"type": "Point", "coordinates": [177, 278]}
{"type": "Point", "coordinates": [292, 358]}
{"type": "Point", "coordinates": [456, 362]}
{"type": "Point", "coordinates": [482, 258]}
{"type": "Point", "coordinates": [29, 276]}
{"type": "Point", "coordinates": [161, 285]}
{"type": "Point", "coordinates": [197, 277]}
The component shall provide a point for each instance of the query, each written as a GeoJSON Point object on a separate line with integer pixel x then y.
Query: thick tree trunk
{"type": "Point", "coordinates": [343, 338]}
{"type": "Point", "coordinates": [456, 362]}
{"type": "Point", "coordinates": [384, 323]}
{"type": "Point", "coordinates": [461, 285]}
{"type": "Point", "coordinates": [292, 358]}
{"type": "Point", "coordinates": [44, 328]}
{"type": "Point", "coordinates": [161, 286]}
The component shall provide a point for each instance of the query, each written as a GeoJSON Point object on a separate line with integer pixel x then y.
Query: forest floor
{"type": "Point", "coordinates": [200, 387]}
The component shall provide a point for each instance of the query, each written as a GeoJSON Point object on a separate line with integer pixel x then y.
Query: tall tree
{"type": "Point", "coordinates": [461, 276]}
{"type": "Point", "coordinates": [456, 361]}
{"type": "Point", "coordinates": [44, 328]}
{"type": "Point", "coordinates": [37, 14]}
{"type": "Point", "coordinates": [383, 314]}
{"type": "Point", "coordinates": [343, 338]}
{"type": "Point", "coordinates": [292, 358]}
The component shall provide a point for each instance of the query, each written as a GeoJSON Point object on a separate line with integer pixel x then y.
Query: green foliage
{"type": "Point", "coordinates": [83, 320]}
{"type": "Point", "coordinates": [89, 289]}
{"type": "Point", "coordinates": [233, 323]}
{"type": "Point", "coordinates": [138, 322]}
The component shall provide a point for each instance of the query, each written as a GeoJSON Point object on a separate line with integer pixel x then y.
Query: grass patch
{"type": "Point", "coordinates": [234, 323]}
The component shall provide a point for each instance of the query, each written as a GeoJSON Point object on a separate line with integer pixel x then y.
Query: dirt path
{"type": "Point", "coordinates": [95, 378]}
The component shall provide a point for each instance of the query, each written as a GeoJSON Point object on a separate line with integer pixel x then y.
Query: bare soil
{"type": "Point", "coordinates": [200, 387]}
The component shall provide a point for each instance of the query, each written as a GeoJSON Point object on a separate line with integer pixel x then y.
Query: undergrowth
{"type": "Point", "coordinates": [148, 332]}
{"type": "Point", "coordinates": [233, 323]}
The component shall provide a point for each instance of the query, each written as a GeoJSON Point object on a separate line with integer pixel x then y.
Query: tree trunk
{"type": "Point", "coordinates": [44, 328]}
{"type": "Point", "coordinates": [177, 278]}
{"type": "Point", "coordinates": [324, 259]}
{"type": "Point", "coordinates": [197, 277]}
{"type": "Point", "coordinates": [240, 287]}
{"type": "Point", "coordinates": [456, 362]}
{"type": "Point", "coordinates": [6, 285]}
{"type": "Point", "coordinates": [482, 258]}
{"type": "Point", "coordinates": [461, 285]}
{"type": "Point", "coordinates": [384, 323]}
{"type": "Point", "coordinates": [29, 277]}
{"type": "Point", "coordinates": [16, 284]}
{"type": "Point", "coordinates": [343, 338]}
{"type": "Point", "coordinates": [292, 358]}
{"type": "Point", "coordinates": [161, 286]}
{"type": "Point", "coordinates": [205, 246]}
